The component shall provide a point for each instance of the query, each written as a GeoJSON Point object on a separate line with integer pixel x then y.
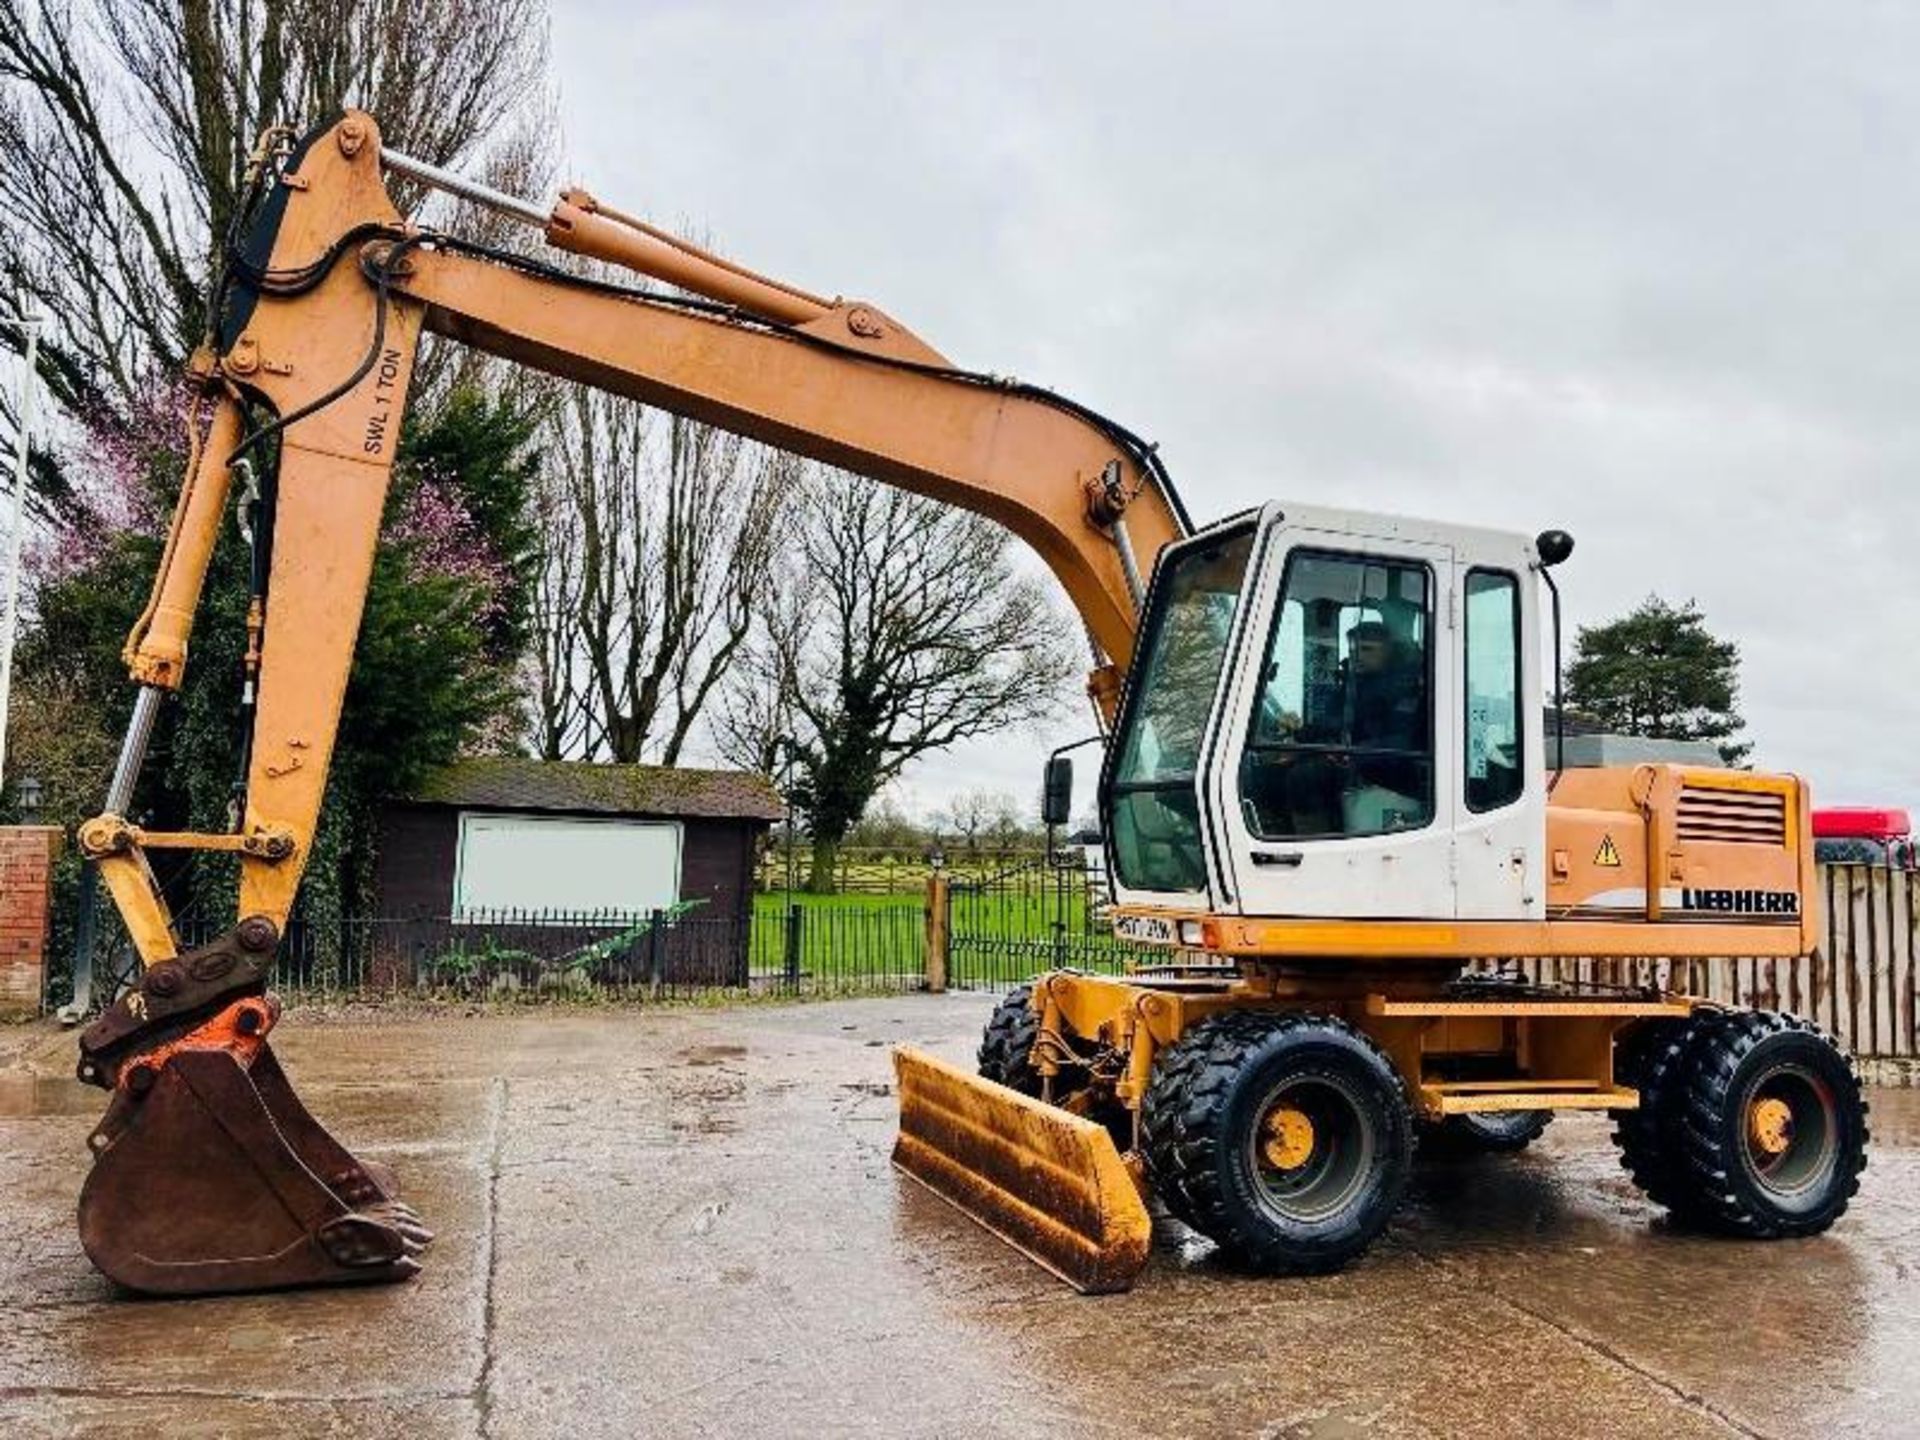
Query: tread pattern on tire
{"type": "Point", "coordinates": [1161, 1118]}
{"type": "Point", "coordinates": [1456, 1136]}
{"type": "Point", "coordinates": [1006, 1046]}
{"type": "Point", "coordinates": [1710, 1157]}
{"type": "Point", "coordinates": [1651, 1059]}
{"type": "Point", "coordinates": [1183, 1131]}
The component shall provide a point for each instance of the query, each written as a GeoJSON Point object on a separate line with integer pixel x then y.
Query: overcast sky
{"type": "Point", "coordinates": [1650, 273]}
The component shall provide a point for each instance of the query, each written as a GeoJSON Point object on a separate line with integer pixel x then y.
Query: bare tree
{"type": "Point", "coordinates": [659, 541]}
{"type": "Point", "coordinates": [125, 131]}
{"type": "Point", "coordinates": [974, 815]}
{"type": "Point", "coordinates": [757, 717]}
{"type": "Point", "coordinates": [903, 630]}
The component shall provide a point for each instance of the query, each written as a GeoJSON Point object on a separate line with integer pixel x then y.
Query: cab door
{"type": "Point", "coordinates": [1500, 817]}
{"type": "Point", "coordinates": [1329, 780]}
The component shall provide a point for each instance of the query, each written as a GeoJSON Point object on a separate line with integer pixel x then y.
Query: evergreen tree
{"type": "Point", "coordinates": [1659, 672]}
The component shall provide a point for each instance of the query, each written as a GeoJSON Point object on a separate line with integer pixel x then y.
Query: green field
{"type": "Point", "coordinates": [774, 902]}
{"type": "Point", "coordinates": [855, 940]}
{"type": "Point", "coordinates": [998, 936]}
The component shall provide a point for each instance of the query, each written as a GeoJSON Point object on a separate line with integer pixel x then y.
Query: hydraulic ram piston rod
{"type": "Point", "coordinates": [133, 749]}
{"type": "Point", "coordinates": [580, 224]}
{"type": "Point", "coordinates": [452, 184]}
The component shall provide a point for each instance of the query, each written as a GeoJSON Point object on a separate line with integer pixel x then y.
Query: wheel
{"type": "Point", "coordinates": [1489, 1132]}
{"type": "Point", "coordinates": [1774, 1128]}
{"type": "Point", "coordinates": [1285, 1139]}
{"type": "Point", "coordinates": [1650, 1058]}
{"type": "Point", "coordinates": [1006, 1048]}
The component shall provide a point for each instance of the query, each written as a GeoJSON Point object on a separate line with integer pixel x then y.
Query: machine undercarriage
{"type": "Point", "coordinates": [1278, 1113]}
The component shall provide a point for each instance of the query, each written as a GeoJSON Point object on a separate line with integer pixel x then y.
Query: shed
{"type": "Point", "coordinates": [506, 834]}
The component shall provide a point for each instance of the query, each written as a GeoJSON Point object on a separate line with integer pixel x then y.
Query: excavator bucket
{"type": "Point", "coordinates": [210, 1175]}
{"type": "Point", "coordinates": [1050, 1184]}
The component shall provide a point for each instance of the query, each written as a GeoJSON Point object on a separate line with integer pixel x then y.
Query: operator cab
{"type": "Point", "coordinates": [1333, 714]}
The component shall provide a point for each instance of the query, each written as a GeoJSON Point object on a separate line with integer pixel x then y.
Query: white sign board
{"type": "Point", "coordinates": [542, 862]}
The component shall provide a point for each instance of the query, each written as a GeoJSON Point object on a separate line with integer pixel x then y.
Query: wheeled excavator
{"type": "Point", "coordinates": [1326, 799]}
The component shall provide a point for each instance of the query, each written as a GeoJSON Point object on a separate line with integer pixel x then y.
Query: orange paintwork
{"type": "Point", "coordinates": [1638, 811]}
{"type": "Point", "coordinates": [1049, 1183]}
{"type": "Point", "coordinates": [222, 1032]}
{"type": "Point", "coordinates": [1015, 460]}
{"type": "Point", "coordinates": [156, 650]}
{"type": "Point", "coordinates": [582, 225]}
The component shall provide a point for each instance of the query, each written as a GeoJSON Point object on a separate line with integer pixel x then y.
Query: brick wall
{"type": "Point", "coordinates": [26, 880]}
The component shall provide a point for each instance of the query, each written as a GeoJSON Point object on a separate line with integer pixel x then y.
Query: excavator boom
{"type": "Point", "coordinates": [209, 1175]}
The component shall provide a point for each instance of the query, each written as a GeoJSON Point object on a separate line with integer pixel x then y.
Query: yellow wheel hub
{"type": "Point", "coordinates": [1770, 1126]}
{"type": "Point", "coordinates": [1286, 1138]}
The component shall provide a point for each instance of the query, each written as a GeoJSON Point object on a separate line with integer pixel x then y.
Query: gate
{"type": "Point", "coordinates": [1037, 914]}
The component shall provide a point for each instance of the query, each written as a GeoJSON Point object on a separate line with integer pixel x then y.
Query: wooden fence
{"type": "Point", "coordinates": [1859, 984]}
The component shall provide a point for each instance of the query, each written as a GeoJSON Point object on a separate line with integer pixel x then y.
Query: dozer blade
{"type": "Point", "coordinates": [1050, 1184]}
{"type": "Point", "coordinates": [210, 1175]}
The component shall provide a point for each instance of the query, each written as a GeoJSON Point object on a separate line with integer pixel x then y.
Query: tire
{"type": "Point", "coordinates": [1490, 1132]}
{"type": "Point", "coordinates": [1774, 1127]}
{"type": "Point", "coordinates": [1006, 1048]}
{"type": "Point", "coordinates": [1651, 1058]}
{"type": "Point", "coordinates": [1301, 1195]}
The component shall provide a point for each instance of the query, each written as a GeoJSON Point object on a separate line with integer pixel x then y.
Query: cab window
{"type": "Point", "coordinates": [1341, 742]}
{"type": "Point", "coordinates": [1493, 758]}
{"type": "Point", "coordinates": [1153, 810]}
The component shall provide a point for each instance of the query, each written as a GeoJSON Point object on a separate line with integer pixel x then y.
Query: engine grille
{"type": "Point", "coordinates": [1735, 817]}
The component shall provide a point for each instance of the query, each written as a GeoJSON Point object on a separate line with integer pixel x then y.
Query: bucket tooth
{"type": "Point", "coordinates": [210, 1175]}
{"type": "Point", "coordinates": [1049, 1183]}
{"type": "Point", "coordinates": [359, 1183]}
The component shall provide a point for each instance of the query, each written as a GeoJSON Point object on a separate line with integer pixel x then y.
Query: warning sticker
{"type": "Point", "coordinates": [1608, 854]}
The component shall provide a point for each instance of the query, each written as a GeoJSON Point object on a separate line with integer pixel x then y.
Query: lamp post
{"type": "Point", "coordinates": [784, 749]}
{"type": "Point", "coordinates": [22, 443]}
{"type": "Point", "coordinates": [27, 795]}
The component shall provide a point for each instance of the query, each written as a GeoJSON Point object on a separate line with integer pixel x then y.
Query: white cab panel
{"type": "Point", "coordinates": [1321, 814]}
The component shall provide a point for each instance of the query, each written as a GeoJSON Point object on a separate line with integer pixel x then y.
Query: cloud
{"type": "Point", "coordinates": [1643, 271]}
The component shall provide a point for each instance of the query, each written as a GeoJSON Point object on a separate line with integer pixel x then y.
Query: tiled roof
{"type": "Point", "coordinates": [505, 783]}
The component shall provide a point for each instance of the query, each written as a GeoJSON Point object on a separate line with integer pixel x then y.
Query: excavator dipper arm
{"type": "Point", "coordinates": [209, 1174]}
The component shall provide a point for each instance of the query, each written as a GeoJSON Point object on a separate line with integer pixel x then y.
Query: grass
{"type": "Point", "coordinates": [774, 902]}
{"type": "Point", "coordinates": [858, 939]}
{"type": "Point", "coordinates": [998, 936]}
{"type": "Point", "coordinates": [1015, 915]}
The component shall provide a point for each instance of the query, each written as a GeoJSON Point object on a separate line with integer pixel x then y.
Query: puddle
{"type": "Point", "coordinates": [26, 1096]}
{"type": "Point", "coordinates": [1894, 1118]}
{"type": "Point", "coordinates": [705, 1125]}
{"type": "Point", "coordinates": [712, 1054]}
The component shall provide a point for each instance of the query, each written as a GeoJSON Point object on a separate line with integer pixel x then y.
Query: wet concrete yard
{"type": "Point", "coordinates": [683, 1223]}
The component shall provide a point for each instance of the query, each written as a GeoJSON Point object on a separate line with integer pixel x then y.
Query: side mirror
{"type": "Point", "coordinates": [1056, 793]}
{"type": "Point", "coordinates": [1553, 547]}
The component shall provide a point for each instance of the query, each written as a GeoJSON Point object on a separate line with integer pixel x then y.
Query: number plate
{"type": "Point", "coordinates": [1146, 929]}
